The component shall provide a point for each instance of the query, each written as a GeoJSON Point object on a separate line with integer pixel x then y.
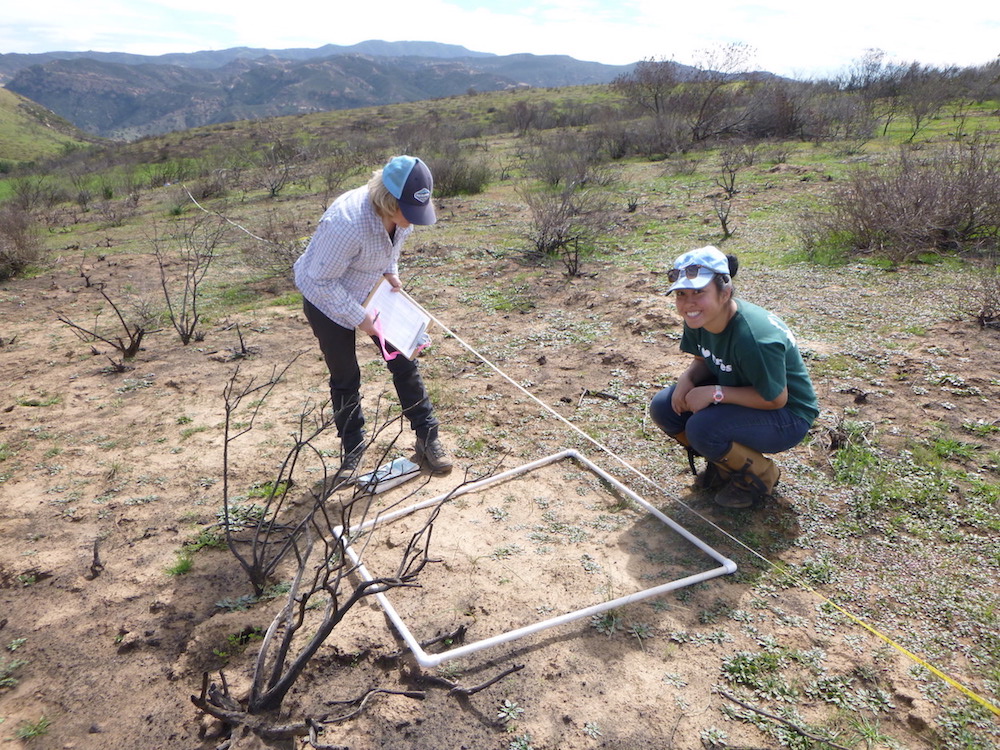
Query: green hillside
{"type": "Point", "coordinates": [29, 132]}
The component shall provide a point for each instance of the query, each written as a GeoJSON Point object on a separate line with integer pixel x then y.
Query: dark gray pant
{"type": "Point", "coordinates": [337, 345]}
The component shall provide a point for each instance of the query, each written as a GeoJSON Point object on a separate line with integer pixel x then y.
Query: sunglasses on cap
{"type": "Point", "coordinates": [690, 272]}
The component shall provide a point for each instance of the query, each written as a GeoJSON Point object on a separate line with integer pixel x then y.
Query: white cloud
{"type": "Point", "coordinates": [791, 37]}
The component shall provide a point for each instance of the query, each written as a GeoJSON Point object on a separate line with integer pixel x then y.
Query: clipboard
{"type": "Point", "coordinates": [398, 320]}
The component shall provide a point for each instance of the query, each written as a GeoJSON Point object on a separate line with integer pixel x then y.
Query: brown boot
{"type": "Point", "coordinates": [752, 478]}
{"type": "Point", "coordinates": [713, 477]}
{"type": "Point", "coordinates": [709, 479]}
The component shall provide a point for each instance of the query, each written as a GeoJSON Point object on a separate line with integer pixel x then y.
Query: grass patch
{"type": "Point", "coordinates": [39, 401]}
{"type": "Point", "coordinates": [205, 539]}
{"type": "Point", "coordinates": [29, 730]}
{"type": "Point", "coordinates": [8, 670]}
{"type": "Point", "coordinates": [183, 565]}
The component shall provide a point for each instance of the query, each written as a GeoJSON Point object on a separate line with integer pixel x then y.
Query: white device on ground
{"type": "Point", "coordinates": [388, 475]}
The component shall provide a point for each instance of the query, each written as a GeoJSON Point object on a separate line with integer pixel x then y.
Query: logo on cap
{"type": "Point", "coordinates": [423, 195]}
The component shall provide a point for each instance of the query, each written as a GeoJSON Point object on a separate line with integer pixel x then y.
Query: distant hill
{"type": "Point", "coordinates": [29, 132]}
{"type": "Point", "coordinates": [125, 96]}
{"type": "Point", "coordinates": [11, 63]}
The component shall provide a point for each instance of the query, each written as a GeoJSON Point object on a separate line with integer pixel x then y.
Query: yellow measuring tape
{"type": "Point", "coordinates": [903, 650]}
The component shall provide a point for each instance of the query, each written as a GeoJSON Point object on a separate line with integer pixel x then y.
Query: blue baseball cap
{"type": "Point", "coordinates": [696, 268]}
{"type": "Point", "coordinates": [411, 184]}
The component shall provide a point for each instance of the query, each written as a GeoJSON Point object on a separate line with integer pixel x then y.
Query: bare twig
{"type": "Point", "coordinates": [129, 344]}
{"type": "Point", "coordinates": [362, 700]}
{"type": "Point", "coordinates": [786, 722]}
{"type": "Point", "coordinates": [197, 246]}
{"type": "Point", "coordinates": [465, 692]}
{"type": "Point", "coordinates": [96, 566]}
{"type": "Point", "coordinates": [314, 730]}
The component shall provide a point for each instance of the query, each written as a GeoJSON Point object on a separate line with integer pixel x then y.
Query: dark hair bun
{"type": "Point", "coordinates": [734, 264]}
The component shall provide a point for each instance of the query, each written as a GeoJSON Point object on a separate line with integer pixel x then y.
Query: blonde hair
{"type": "Point", "coordinates": [385, 203]}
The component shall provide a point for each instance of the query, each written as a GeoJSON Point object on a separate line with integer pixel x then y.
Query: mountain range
{"type": "Point", "coordinates": [125, 96]}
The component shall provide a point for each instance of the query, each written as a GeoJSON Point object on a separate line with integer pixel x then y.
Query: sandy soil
{"type": "Point", "coordinates": [122, 469]}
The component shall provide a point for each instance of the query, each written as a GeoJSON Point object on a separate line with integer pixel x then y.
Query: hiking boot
{"type": "Point", "coordinates": [752, 478]}
{"type": "Point", "coordinates": [350, 463]}
{"type": "Point", "coordinates": [432, 454]}
{"type": "Point", "coordinates": [710, 479]}
{"type": "Point", "coordinates": [736, 495]}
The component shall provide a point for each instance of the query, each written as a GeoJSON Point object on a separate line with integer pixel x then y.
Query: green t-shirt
{"type": "Point", "coordinates": [756, 349]}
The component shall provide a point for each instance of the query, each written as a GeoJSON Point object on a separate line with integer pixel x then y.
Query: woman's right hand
{"type": "Point", "coordinates": [697, 372]}
{"type": "Point", "coordinates": [678, 400]}
{"type": "Point", "coordinates": [368, 325]}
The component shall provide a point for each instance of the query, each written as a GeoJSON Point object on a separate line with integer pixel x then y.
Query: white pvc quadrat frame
{"type": "Point", "coordinates": [425, 659]}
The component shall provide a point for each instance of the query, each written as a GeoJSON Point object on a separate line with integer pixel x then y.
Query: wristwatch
{"type": "Point", "coordinates": [719, 395]}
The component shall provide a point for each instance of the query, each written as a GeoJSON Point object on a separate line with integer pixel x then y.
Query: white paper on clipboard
{"type": "Point", "coordinates": [403, 322]}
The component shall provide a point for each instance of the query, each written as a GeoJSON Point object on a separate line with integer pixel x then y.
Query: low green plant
{"type": "Point", "coordinates": [8, 667]}
{"type": "Point", "coordinates": [712, 737]}
{"type": "Point", "coordinates": [268, 489]}
{"type": "Point", "coordinates": [509, 711]}
{"type": "Point", "coordinates": [237, 604]}
{"type": "Point", "coordinates": [239, 641]}
{"type": "Point", "coordinates": [506, 551]}
{"type": "Point", "coordinates": [43, 400]}
{"type": "Point", "coordinates": [640, 631]}
{"type": "Point", "coordinates": [183, 565]}
{"type": "Point", "coordinates": [242, 515]}
{"type": "Point", "coordinates": [950, 448]}
{"type": "Point", "coordinates": [751, 669]}
{"type": "Point", "coordinates": [981, 427]}
{"type": "Point", "coordinates": [205, 539]}
{"type": "Point", "coordinates": [503, 298]}
{"type": "Point", "coordinates": [498, 514]}
{"type": "Point", "coordinates": [966, 725]}
{"type": "Point", "coordinates": [607, 623]}
{"type": "Point", "coordinates": [450, 670]}
{"type": "Point", "coordinates": [855, 459]}
{"type": "Point", "coordinates": [28, 730]}
{"type": "Point", "coordinates": [868, 730]}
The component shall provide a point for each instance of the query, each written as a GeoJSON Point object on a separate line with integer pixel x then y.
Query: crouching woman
{"type": "Point", "coordinates": [745, 393]}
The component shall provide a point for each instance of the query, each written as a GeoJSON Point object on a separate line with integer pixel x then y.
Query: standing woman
{"type": "Point", "coordinates": [357, 243]}
{"type": "Point", "coordinates": [746, 392]}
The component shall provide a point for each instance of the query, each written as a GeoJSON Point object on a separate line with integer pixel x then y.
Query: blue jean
{"type": "Point", "coordinates": [712, 431]}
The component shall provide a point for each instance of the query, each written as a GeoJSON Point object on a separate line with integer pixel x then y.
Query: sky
{"type": "Point", "coordinates": [802, 39]}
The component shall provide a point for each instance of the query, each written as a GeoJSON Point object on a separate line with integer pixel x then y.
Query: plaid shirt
{"type": "Point", "coordinates": [349, 252]}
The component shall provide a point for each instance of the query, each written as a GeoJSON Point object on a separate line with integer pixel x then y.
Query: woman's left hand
{"type": "Point", "coordinates": [394, 281]}
{"type": "Point", "coordinates": [700, 397]}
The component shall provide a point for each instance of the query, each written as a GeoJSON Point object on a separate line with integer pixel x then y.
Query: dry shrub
{"type": "Point", "coordinates": [986, 296]}
{"type": "Point", "coordinates": [565, 223]}
{"type": "Point", "coordinates": [276, 245]}
{"type": "Point", "coordinates": [20, 241]}
{"type": "Point", "coordinates": [457, 173]}
{"type": "Point", "coordinates": [567, 158]}
{"type": "Point", "coordinates": [949, 202]}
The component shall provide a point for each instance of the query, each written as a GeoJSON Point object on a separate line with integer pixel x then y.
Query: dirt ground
{"type": "Point", "coordinates": [106, 475]}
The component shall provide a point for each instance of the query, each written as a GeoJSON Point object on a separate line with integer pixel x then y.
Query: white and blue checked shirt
{"type": "Point", "coordinates": [349, 252]}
